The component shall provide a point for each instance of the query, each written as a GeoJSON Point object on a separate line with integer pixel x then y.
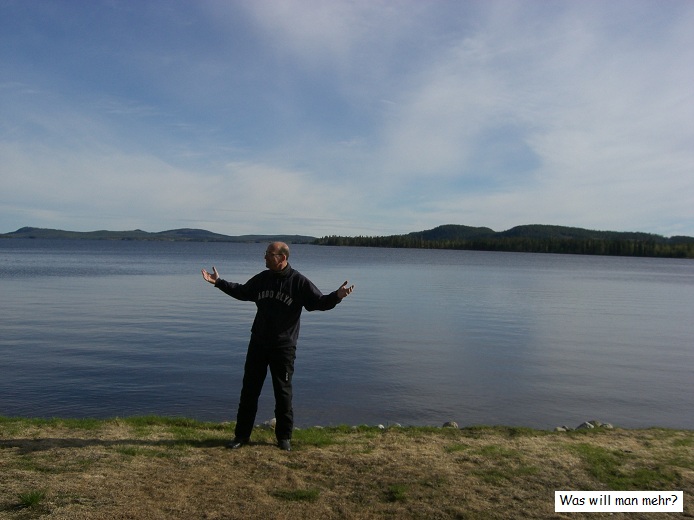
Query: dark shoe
{"type": "Point", "coordinates": [235, 444]}
{"type": "Point", "coordinates": [284, 444]}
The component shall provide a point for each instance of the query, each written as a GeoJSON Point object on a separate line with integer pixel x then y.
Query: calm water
{"type": "Point", "coordinates": [104, 329]}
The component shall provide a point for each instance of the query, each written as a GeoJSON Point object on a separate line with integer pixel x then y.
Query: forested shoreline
{"type": "Point", "coordinates": [520, 239]}
{"type": "Point", "coordinates": [529, 239]}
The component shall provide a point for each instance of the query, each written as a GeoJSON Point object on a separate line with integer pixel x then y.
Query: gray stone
{"type": "Point", "coordinates": [585, 426]}
{"type": "Point", "coordinates": [268, 425]}
{"type": "Point", "coordinates": [450, 424]}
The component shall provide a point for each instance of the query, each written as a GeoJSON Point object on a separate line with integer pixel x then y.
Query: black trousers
{"type": "Point", "coordinates": [280, 360]}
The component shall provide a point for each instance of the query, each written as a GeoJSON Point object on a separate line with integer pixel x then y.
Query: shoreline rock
{"type": "Point", "coordinates": [587, 425]}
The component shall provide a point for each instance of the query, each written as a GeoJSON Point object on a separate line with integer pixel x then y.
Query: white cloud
{"type": "Point", "coordinates": [98, 188]}
{"type": "Point", "coordinates": [273, 197]}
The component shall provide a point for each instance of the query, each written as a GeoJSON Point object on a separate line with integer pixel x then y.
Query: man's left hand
{"type": "Point", "coordinates": [344, 290]}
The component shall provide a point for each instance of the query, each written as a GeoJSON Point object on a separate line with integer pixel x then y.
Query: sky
{"type": "Point", "coordinates": [363, 117]}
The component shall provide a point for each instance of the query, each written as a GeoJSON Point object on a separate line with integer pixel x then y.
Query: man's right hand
{"type": "Point", "coordinates": [212, 278]}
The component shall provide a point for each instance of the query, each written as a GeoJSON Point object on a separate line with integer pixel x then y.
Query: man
{"type": "Point", "coordinates": [280, 293]}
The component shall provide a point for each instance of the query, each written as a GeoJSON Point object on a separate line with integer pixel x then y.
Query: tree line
{"type": "Point", "coordinates": [676, 247]}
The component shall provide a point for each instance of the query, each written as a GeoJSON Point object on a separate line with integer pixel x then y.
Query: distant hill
{"type": "Point", "coordinates": [562, 232]}
{"type": "Point", "coordinates": [530, 239]}
{"type": "Point", "coordinates": [184, 235]}
{"type": "Point", "coordinates": [534, 231]}
{"type": "Point", "coordinates": [535, 238]}
{"type": "Point", "coordinates": [453, 232]}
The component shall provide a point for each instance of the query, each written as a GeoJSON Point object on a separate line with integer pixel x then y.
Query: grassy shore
{"type": "Point", "coordinates": [160, 468]}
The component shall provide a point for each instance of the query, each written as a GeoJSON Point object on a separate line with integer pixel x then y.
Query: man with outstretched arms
{"type": "Point", "coordinates": [280, 294]}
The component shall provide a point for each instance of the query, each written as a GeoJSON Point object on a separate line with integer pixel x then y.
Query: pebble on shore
{"type": "Point", "coordinates": [588, 425]}
{"type": "Point", "coordinates": [270, 425]}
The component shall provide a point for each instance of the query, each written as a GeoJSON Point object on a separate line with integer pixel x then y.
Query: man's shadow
{"type": "Point", "coordinates": [28, 446]}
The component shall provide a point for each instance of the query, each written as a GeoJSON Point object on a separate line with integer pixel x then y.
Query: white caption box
{"type": "Point", "coordinates": [619, 501]}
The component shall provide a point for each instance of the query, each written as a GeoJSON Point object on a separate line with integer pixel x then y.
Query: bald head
{"type": "Point", "coordinates": [281, 248]}
{"type": "Point", "coordinates": [276, 256]}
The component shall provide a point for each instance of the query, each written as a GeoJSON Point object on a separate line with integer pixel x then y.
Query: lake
{"type": "Point", "coordinates": [105, 329]}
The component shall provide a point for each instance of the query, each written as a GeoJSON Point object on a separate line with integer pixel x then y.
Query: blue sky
{"type": "Point", "coordinates": [361, 117]}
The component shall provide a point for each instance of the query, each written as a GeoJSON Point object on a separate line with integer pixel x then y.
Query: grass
{"type": "Point", "coordinates": [396, 493]}
{"type": "Point", "coordinates": [317, 437]}
{"type": "Point", "coordinates": [621, 471]}
{"type": "Point", "coordinates": [158, 467]}
{"type": "Point", "coordinates": [310, 495]}
{"type": "Point", "coordinates": [31, 499]}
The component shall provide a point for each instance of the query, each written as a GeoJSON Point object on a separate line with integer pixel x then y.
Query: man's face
{"type": "Point", "coordinates": [274, 260]}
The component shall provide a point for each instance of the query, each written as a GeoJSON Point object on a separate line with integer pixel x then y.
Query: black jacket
{"type": "Point", "coordinates": [280, 298]}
